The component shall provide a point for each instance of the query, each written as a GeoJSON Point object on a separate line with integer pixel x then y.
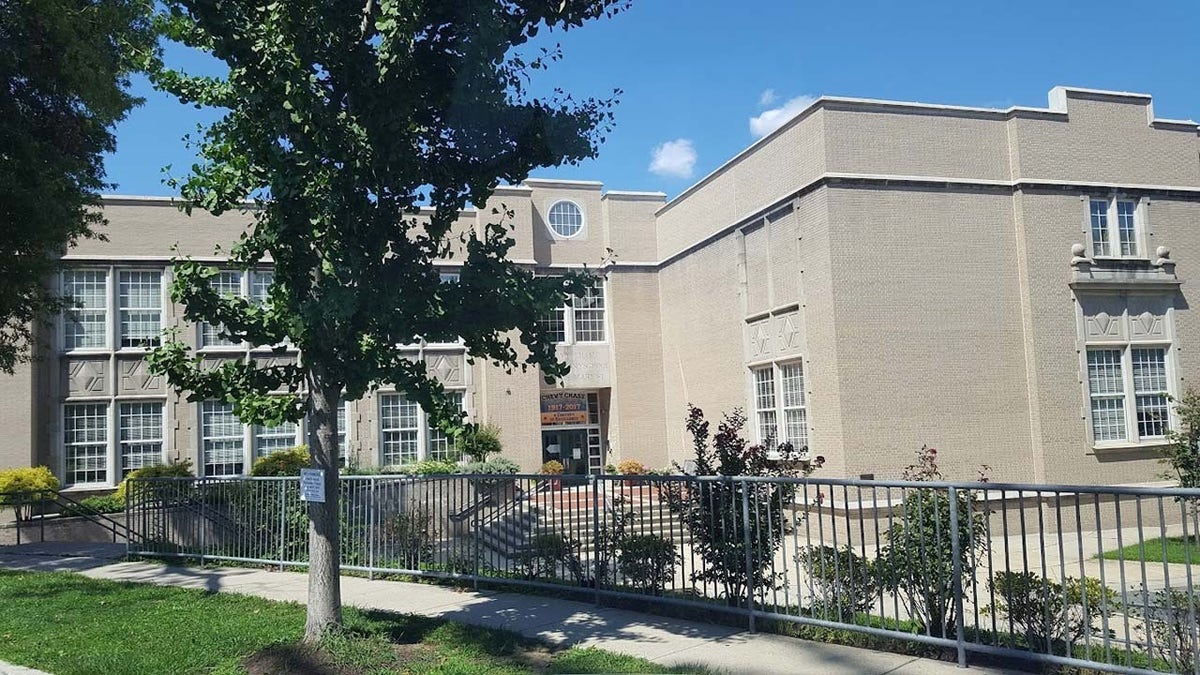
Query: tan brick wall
{"type": "Point", "coordinates": [638, 428]}
{"type": "Point", "coordinates": [764, 174]}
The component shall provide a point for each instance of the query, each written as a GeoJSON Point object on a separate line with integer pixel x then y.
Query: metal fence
{"type": "Point", "coordinates": [1097, 577]}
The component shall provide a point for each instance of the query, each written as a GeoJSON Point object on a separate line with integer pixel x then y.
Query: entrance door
{"type": "Point", "coordinates": [569, 446]}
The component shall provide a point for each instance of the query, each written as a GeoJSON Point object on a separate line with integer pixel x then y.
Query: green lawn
{"type": "Point", "coordinates": [66, 624]}
{"type": "Point", "coordinates": [1152, 551]}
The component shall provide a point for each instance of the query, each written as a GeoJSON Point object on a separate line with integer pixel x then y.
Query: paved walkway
{"type": "Point", "coordinates": [563, 622]}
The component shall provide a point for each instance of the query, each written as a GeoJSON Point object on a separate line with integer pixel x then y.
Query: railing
{"type": "Point", "coordinates": [1067, 575]}
{"type": "Point", "coordinates": [36, 508]}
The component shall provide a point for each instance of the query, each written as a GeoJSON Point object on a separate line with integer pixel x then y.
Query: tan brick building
{"type": "Point", "coordinates": [871, 277]}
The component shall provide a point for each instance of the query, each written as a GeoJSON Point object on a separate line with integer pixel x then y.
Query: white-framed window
{"type": "Point", "coordinates": [343, 434]}
{"type": "Point", "coordinates": [438, 444]}
{"type": "Point", "coordinates": [140, 433]}
{"type": "Point", "coordinates": [585, 319]}
{"type": "Point", "coordinates": [588, 311]}
{"type": "Point", "coordinates": [1115, 227]}
{"type": "Point", "coordinates": [227, 283]}
{"type": "Point", "coordinates": [400, 427]}
{"type": "Point", "coordinates": [85, 443]}
{"type": "Point", "coordinates": [565, 218]}
{"type": "Point", "coordinates": [408, 434]}
{"type": "Point", "coordinates": [780, 405]}
{"type": "Point", "coordinates": [254, 285]}
{"type": "Point", "coordinates": [229, 447]}
{"type": "Point", "coordinates": [267, 440]}
{"type": "Point", "coordinates": [222, 440]}
{"type": "Point", "coordinates": [139, 305]}
{"type": "Point", "coordinates": [1129, 389]}
{"type": "Point", "coordinates": [85, 323]}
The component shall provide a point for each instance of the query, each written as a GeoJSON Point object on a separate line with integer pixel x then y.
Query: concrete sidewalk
{"type": "Point", "coordinates": [562, 622]}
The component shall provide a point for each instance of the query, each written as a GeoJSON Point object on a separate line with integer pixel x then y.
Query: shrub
{"type": "Point", "coordinates": [480, 442]}
{"type": "Point", "coordinates": [500, 465]}
{"type": "Point", "coordinates": [100, 504]}
{"type": "Point", "coordinates": [548, 554]}
{"type": "Point", "coordinates": [1046, 615]}
{"type": "Point", "coordinates": [648, 562]}
{"type": "Point", "coordinates": [1171, 625]}
{"type": "Point", "coordinates": [1180, 455]}
{"type": "Point", "coordinates": [436, 467]}
{"type": "Point", "coordinates": [409, 536]}
{"type": "Point", "coordinates": [631, 467]}
{"type": "Point", "coordinates": [917, 563]}
{"type": "Point", "coordinates": [843, 582]}
{"type": "Point", "coordinates": [713, 510]}
{"type": "Point", "coordinates": [172, 470]}
{"type": "Point", "coordinates": [552, 468]}
{"type": "Point", "coordinates": [20, 487]}
{"type": "Point", "coordinates": [282, 463]}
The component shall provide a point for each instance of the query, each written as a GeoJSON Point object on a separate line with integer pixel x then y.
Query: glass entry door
{"type": "Point", "coordinates": [577, 449]}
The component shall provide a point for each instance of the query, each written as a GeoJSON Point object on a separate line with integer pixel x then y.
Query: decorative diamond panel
{"type": "Point", "coordinates": [1147, 325]}
{"type": "Point", "coordinates": [87, 377]}
{"type": "Point", "coordinates": [760, 339]}
{"type": "Point", "coordinates": [136, 378]}
{"type": "Point", "coordinates": [447, 368]}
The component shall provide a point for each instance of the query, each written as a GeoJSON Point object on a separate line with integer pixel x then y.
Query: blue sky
{"type": "Point", "coordinates": [696, 74]}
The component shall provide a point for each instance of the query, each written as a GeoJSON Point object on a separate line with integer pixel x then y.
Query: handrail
{"type": "Point", "coordinates": [68, 507]}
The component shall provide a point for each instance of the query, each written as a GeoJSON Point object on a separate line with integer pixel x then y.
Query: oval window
{"type": "Point", "coordinates": [566, 218]}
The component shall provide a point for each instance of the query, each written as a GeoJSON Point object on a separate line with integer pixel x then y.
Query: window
{"type": "Point", "coordinates": [227, 283]}
{"type": "Point", "coordinates": [554, 325]}
{"type": "Point", "coordinates": [399, 421]}
{"type": "Point", "coordinates": [343, 435]}
{"type": "Point", "coordinates": [273, 439]}
{"type": "Point", "coordinates": [1112, 372]}
{"type": "Point", "coordinates": [795, 417]}
{"type": "Point", "coordinates": [780, 409]}
{"type": "Point", "coordinates": [139, 298]}
{"type": "Point", "coordinates": [141, 435]}
{"type": "Point", "coordinates": [85, 324]}
{"type": "Point", "coordinates": [1114, 227]}
{"type": "Point", "coordinates": [441, 446]}
{"type": "Point", "coordinates": [764, 405]}
{"type": "Point", "coordinates": [408, 435]}
{"type": "Point", "coordinates": [581, 321]}
{"type": "Point", "coordinates": [448, 277]}
{"type": "Point", "coordinates": [85, 443]}
{"type": "Point", "coordinates": [589, 314]}
{"type": "Point", "coordinates": [565, 218]}
{"type": "Point", "coordinates": [223, 440]}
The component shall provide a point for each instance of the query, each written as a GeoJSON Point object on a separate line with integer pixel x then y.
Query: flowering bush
{"type": "Point", "coordinates": [552, 468]}
{"type": "Point", "coordinates": [713, 511]}
{"type": "Point", "coordinates": [631, 467]}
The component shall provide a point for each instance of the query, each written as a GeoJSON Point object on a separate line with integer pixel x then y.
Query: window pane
{"type": "Point", "coordinates": [764, 405]}
{"type": "Point", "coordinates": [1150, 387]}
{"type": "Point", "coordinates": [589, 314]}
{"type": "Point", "coordinates": [343, 415]}
{"type": "Point", "coordinates": [565, 219]}
{"type": "Point", "coordinates": [140, 428]}
{"type": "Point", "coordinates": [792, 377]}
{"type": "Point", "coordinates": [1127, 227]}
{"type": "Point", "coordinates": [227, 283]}
{"type": "Point", "coordinates": [555, 325]}
{"type": "Point", "coordinates": [223, 440]}
{"type": "Point", "coordinates": [273, 439]}
{"type": "Point", "coordinates": [140, 299]}
{"type": "Point", "coordinates": [398, 420]}
{"type": "Point", "coordinates": [440, 445]}
{"type": "Point", "coordinates": [260, 286]}
{"type": "Point", "coordinates": [796, 428]}
{"type": "Point", "coordinates": [84, 325]}
{"type": "Point", "coordinates": [1107, 394]}
{"type": "Point", "coordinates": [1099, 217]}
{"type": "Point", "coordinates": [1104, 372]}
{"type": "Point", "coordinates": [85, 442]}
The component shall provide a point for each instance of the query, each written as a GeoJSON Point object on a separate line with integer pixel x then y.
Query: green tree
{"type": "Point", "coordinates": [65, 67]}
{"type": "Point", "coordinates": [360, 130]}
{"type": "Point", "coordinates": [1183, 453]}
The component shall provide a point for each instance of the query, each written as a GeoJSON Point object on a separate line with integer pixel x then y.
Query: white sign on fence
{"type": "Point", "coordinates": [312, 485]}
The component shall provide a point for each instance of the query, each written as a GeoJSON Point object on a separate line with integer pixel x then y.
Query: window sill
{"type": "Point", "coordinates": [87, 487]}
{"type": "Point", "coordinates": [1148, 444]}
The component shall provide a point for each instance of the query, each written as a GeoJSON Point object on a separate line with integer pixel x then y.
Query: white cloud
{"type": "Point", "coordinates": [767, 98]}
{"type": "Point", "coordinates": [772, 119]}
{"type": "Point", "coordinates": [674, 159]}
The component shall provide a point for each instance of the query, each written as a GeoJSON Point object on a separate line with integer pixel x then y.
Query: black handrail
{"type": "Point", "coordinates": [24, 502]}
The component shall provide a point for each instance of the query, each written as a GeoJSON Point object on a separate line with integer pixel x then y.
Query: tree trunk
{"type": "Point", "coordinates": [324, 542]}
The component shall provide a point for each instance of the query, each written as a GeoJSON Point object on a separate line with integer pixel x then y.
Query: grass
{"type": "Point", "coordinates": [68, 624]}
{"type": "Point", "coordinates": [1177, 550]}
